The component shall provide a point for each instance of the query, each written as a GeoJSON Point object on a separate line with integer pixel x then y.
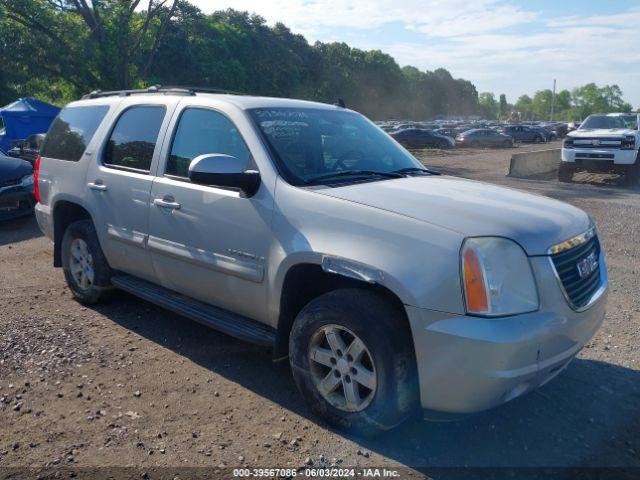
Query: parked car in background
{"type": "Point", "coordinates": [29, 149]}
{"type": "Point", "coordinates": [547, 133]}
{"type": "Point", "coordinates": [523, 133]}
{"type": "Point", "coordinates": [603, 143]}
{"type": "Point", "coordinates": [484, 137]}
{"type": "Point", "coordinates": [418, 138]}
{"type": "Point", "coordinates": [450, 132]}
{"type": "Point", "coordinates": [16, 188]}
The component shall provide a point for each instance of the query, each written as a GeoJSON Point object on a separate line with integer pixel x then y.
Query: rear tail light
{"type": "Point", "coordinates": [36, 175]}
{"type": "Point", "coordinates": [628, 143]}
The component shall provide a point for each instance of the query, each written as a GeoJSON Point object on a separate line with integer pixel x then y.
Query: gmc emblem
{"type": "Point", "coordinates": [595, 143]}
{"type": "Point", "coordinates": [587, 265]}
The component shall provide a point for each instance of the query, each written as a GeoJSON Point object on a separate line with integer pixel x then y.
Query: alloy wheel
{"type": "Point", "coordinates": [342, 368]}
{"type": "Point", "coordinates": [81, 264]}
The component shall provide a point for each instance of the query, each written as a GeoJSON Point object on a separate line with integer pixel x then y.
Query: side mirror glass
{"type": "Point", "coordinates": [220, 170]}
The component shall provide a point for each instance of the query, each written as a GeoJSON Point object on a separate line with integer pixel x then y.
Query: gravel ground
{"type": "Point", "coordinates": [129, 384]}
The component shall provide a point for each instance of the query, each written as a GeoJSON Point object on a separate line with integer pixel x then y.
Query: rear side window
{"type": "Point", "coordinates": [134, 138]}
{"type": "Point", "coordinates": [201, 131]}
{"type": "Point", "coordinates": [71, 132]}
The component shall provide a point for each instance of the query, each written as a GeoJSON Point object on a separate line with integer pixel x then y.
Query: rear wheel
{"type": "Point", "coordinates": [565, 172]}
{"type": "Point", "coordinates": [85, 267]}
{"type": "Point", "coordinates": [353, 360]}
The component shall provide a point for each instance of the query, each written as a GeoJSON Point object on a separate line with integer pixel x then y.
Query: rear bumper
{"type": "Point", "coordinates": [44, 219]}
{"type": "Point", "coordinates": [17, 202]}
{"type": "Point", "coordinates": [469, 364]}
{"type": "Point", "coordinates": [588, 156]}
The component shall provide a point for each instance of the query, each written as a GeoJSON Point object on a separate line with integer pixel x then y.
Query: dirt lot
{"type": "Point", "coordinates": [130, 384]}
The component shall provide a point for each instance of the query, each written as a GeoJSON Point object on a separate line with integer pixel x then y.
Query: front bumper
{"type": "Point", "coordinates": [16, 202]}
{"type": "Point", "coordinates": [468, 364]}
{"type": "Point", "coordinates": [594, 155]}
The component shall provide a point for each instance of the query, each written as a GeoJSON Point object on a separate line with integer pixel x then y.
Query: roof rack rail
{"type": "Point", "coordinates": [166, 90]}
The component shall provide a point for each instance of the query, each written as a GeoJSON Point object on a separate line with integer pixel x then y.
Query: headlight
{"type": "Point", "coordinates": [567, 143]}
{"type": "Point", "coordinates": [497, 278]}
{"type": "Point", "coordinates": [27, 181]}
{"type": "Point", "coordinates": [628, 143]}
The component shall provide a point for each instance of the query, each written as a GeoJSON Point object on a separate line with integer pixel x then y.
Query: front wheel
{"type": "Point", "coordinates": [633, 173]}
{"type": "Point", "coordinates": [353, 360]}
{"type": "Point", "coordinates": [565, 172]}
{"type": "Point", "coordinates": [85, 267]}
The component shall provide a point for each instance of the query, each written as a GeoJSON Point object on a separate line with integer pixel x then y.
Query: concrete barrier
{"type": "Point", "coordinates": [541, 164]}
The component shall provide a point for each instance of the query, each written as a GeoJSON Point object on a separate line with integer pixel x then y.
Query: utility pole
{"type": "Point", "coordinates": [553, 99]}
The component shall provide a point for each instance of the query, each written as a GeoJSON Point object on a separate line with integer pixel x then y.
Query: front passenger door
{"type": "Point", "coordinates": [206, 242]}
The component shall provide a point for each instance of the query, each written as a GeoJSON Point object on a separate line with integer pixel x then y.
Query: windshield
{"type": "Point", "coordinates": [602, 121]}
{"type": "Point", "coordinates": [313, 143]}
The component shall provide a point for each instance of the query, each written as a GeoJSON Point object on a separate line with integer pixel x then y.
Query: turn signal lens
{"type": "Point", "coordinates": [474, 282]}
{"type": "Point", "coordinates": [497, 278]}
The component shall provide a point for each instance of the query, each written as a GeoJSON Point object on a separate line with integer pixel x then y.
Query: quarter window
{"type": "Point", "coordinates": [134, 138]}
{"type": "Point", "coordinates": [71, 132]}
{"type": "Point", "coordinates": [199, 132]}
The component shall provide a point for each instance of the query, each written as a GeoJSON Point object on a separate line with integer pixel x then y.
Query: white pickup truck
{"type": "Point", "coordinates": [603, 143]}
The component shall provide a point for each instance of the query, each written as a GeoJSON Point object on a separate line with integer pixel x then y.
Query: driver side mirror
{"type": "Point", "coordinates": [219, 170]}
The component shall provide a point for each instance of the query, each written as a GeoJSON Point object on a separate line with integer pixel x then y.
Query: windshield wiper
{"type": "Point", "coordinates": [416, 170]}
{"type": "Point", "coordinates": [355, 173]}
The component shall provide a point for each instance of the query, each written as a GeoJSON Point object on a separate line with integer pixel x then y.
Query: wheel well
{"type": "Point", "coordinates": [64, 214]}
{"type": "Point", "coordinates": [303, 283]}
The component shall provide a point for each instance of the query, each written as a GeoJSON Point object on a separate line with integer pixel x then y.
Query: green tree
{"type": "Point", "coordinates": [524, 106]}
{"type": "Point", "coordinates": [488, 106]}
{"type": "Point", "coordinates": [504, 106]}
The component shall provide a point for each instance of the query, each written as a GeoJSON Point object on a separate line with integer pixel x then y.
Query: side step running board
{"type": "Point", "coordinates": [227, 322]}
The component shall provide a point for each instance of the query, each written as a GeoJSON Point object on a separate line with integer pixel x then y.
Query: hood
{"type": "Point", "coordinates": [13, 168]}
{"type": "Point", "coordinates": [473, 209]}
{"type": "Point", "coordinates": [602, 132]}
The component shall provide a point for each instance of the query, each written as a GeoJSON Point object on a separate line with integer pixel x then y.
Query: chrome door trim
{"type": "Point", "coordinates": [248, 270]}
{"type": "Point", "coordinates": [126, 235]}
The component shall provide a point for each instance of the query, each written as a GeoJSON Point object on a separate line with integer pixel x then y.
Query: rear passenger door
{"type": "Point", "coordinates": [119, 184]}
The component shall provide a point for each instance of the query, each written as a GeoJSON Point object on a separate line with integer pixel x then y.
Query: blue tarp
{"type": "Point", "coordinates": [25, 117]}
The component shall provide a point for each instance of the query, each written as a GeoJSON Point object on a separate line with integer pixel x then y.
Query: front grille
{"type": "Point", "coordinates": [597, 143]}
{"type": "Point", "coordinates": [578, 290]}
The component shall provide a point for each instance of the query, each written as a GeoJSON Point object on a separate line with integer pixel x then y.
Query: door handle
{"type": "Point", "coordinates": [97, 185]}
{"type": "Point", "coordinates": [166, 202]}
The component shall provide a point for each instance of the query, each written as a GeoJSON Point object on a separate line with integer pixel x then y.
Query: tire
{"type": "Point", "coordinates": [474, 144]}
{"type": "Point", "coordinates": [633, 173]}
{"type": "Point", "coordinates": [81, 250]}
{"type": "Point", "coordinates": [507, 144]}
{"type": "Point", "coordinates": [565, 172]}
{"type": "Point", "coordinates": [388, 354]}
{"type": "Point", "coordinates": [537, 140]}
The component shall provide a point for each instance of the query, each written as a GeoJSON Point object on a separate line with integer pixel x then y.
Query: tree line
{"type": "Point", "coordinates": [58, 50]}
{"type": "Point", "coordinates": [567, 105]}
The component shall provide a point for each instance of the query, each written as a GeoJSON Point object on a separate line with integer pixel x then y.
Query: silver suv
{"type": "Point", "coordinates": [304, 227]}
